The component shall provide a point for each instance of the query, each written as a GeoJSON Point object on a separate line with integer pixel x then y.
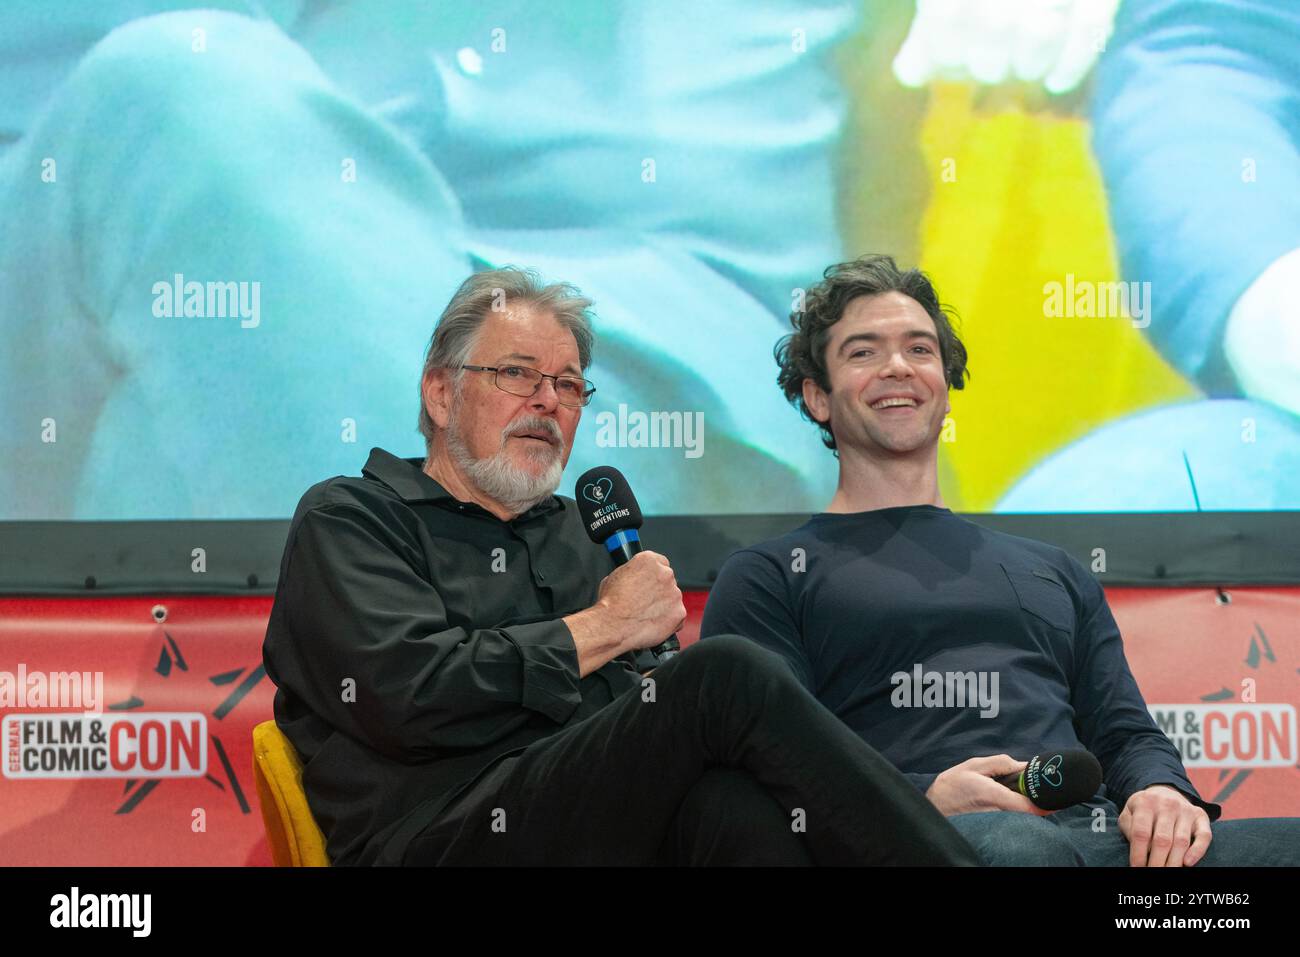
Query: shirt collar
{"type": "Point", "coordinates": [408, 479]}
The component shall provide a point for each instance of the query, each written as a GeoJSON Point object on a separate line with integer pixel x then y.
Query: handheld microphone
{"type": "Point", "coordinates": [611, 515]}
{"type": "Point", "coordinates": [1056, 779]}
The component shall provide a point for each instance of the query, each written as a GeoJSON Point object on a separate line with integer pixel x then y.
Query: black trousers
{"type": "Point", "coordinates": [731, 761]}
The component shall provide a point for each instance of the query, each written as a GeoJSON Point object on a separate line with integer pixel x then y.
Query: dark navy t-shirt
{"type": "Point", "coordinates": [938, 640]}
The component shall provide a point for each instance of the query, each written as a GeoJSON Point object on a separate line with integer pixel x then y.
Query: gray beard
{"type": "Point", "coordinates": [516, 489]}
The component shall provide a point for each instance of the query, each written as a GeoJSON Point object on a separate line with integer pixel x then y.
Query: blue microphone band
{"type": "Point", "coordinates": [619, 539]}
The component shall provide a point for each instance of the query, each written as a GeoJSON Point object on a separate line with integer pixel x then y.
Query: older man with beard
{"type": "Point", "coordinates": [463, 687]}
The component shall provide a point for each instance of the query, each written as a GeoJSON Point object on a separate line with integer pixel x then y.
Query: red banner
{"type": "Point", "coordinates": [126, 723]}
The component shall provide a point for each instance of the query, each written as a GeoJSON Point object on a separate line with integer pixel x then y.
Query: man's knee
{"type": "Point", "coordinates": [1016, 839]}
{"type": "Point", "coordinates": [734, 655]}
{"type": "Point", "coordinates": [1254, 842]}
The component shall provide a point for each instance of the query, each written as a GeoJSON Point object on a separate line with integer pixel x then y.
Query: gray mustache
{"type": "Point", "coordinates": [534, 423]}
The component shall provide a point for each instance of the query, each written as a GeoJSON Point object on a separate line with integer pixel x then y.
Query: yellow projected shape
{"type": "Point", "coordinates": [1016, 202]}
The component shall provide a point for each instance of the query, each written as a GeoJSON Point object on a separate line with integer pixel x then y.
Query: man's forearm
{"type": "Point", "coordinates": [596, 636]}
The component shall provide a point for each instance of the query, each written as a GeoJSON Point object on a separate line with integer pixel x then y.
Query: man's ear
{"type": "Point", "coordinates": [817, 401]}
{"type": "Point", "coordinates": [437, 390]}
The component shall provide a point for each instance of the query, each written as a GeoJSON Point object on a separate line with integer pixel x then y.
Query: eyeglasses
{"type": "Point", "coordinates": [521, 380]}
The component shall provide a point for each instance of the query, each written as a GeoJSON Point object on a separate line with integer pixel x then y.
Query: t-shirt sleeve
{"type": "Point", "coordinates": [751, 598]}
{"type": "Point", "coordinates": [1110, 715]}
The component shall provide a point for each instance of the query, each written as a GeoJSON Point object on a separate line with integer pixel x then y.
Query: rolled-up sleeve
{"type": "Point", "coordinates": [364, 638]}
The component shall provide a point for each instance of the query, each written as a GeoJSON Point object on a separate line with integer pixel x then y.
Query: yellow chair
{"type": "Point", "coordinates": [292, 832]}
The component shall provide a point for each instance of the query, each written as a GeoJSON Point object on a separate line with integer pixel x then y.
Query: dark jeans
{"type": "Point", "coordinates": [733, 762]}
{"type": "Point", "coordinates": [1074, 837]}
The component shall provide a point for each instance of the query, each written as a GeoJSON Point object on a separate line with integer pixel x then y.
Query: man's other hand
{"type": "Point", "coordinates": [1164, 829]}
{"type": "Point", "coordinates": [970, 786]}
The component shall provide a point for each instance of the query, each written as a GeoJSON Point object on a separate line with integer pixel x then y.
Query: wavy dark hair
{"type": "Point", "coordinates": [802, 354]}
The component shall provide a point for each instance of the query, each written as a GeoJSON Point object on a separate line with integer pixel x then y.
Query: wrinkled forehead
{"type": "Point", "coordinates": [528, 336]}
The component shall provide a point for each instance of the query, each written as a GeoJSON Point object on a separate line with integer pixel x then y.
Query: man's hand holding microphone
{"type": "Point", "coordinates": [639, 604]}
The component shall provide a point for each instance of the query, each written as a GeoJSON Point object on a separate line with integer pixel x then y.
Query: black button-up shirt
{"type": "Point", "coordinates": [416, 638]}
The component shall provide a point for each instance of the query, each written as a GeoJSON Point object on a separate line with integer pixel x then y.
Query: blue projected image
{"type": "Point", "coordinates": [229, 232]}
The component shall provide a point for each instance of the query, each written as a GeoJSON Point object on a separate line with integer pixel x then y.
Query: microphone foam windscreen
{"type": "Point", "coordinates": [1059, 779]}
{"type": "Point", "coordinates": [606, 503]}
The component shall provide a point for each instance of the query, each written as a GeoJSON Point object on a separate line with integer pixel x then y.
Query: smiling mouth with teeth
{"type": "Point", "coordinates": [893, 403]}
